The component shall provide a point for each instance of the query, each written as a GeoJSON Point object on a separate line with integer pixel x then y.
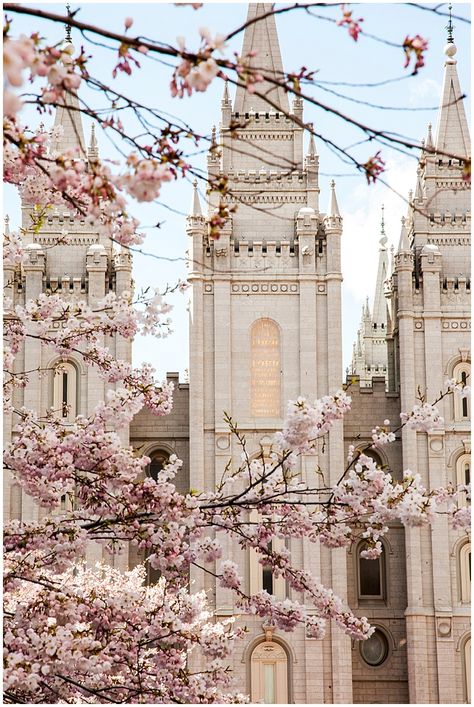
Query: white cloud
{"type": "Point", "coordinates": [426, 92]}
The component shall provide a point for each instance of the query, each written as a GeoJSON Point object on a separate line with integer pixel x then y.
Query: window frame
{"type": "Point", "coordinates": [380, 598]}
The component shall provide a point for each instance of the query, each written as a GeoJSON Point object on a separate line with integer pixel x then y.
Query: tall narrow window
{"type": "Point", "coordinates": [371, 576]}
{"type": "Point", "coordinates": [269, 674]}
{"type": "Point", "coordinates": [261, 575]}
{"type": "Point", "coordinates": [157, 462]}
{"type": "Point", "coordinates": [267, 575]}
{"type": "Point", "coordinates": [464, 402]}
{"type": "Point", "coordinates": [465, 573]}
{"type": "Point", "coordinates": [463, 476]}
{"type": "Point", "coordinates": [65, 391]}
{"type": "Point", "coordinates": [265, 391]}
{"type": "Point", "coordinates": [461, 373]}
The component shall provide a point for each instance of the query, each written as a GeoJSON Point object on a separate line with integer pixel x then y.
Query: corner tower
{"type": "Point", "coordinates": [265, 327]}
{"type": "Point", "coordinates": [430, 338]}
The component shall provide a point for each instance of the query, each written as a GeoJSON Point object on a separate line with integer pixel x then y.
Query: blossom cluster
{"type": "Point", "coordinates": [196, 71]}
{"type": "Point", "coordinates": [304, 422]}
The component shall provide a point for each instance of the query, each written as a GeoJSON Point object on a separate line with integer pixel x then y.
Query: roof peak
{"type": "Point", "coordinates": [261, 48]}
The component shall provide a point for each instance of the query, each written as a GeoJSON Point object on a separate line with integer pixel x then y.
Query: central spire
{"type": "Point", "coordinates": [261, 38]}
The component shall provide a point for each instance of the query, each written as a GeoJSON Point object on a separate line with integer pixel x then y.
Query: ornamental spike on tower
{"type": "Point", "coordinates": [195, 202]}
{"type": "Point", "coordinates": [429, 138]}
{"type": "Point", "coordinates": [403, 244]}
{"type": "Point", "coordinates": [68, 116]}
{"type": "Point", "coordinates": [93, 151]}
{"type": "Point", "coordinates": [379, 312]}
{"type": "Point", "coordinates": [261, 37]}
{"type": "Point", "coordinates": [333, 208]}
{"type": "Point", "coordinates": [225, 96]}
{"type": "Point", "coordinates": [452, 133]}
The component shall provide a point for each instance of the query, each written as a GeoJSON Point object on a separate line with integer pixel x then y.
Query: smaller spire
{"type": "Point", "coordinates": [333, 209]}
{"type": "Point", "coordinates": [225, 97]}
{"type": "Point", "coordinates": [450, 26]}
{"type": "Point", "coordinates": [93, 151]}
{"type": "Point", "coordinates": [7, 225]}
{"type": "Point", "coordinates": [419, 186]}
{"type": "Point", "coordinates": [195, 203]}
{"type": "Point", "coordinates": [403, 244]}
{"type": "Point", "coordinates": [429, 139]}
{"type": "Point", "coordinates": [312, 146]}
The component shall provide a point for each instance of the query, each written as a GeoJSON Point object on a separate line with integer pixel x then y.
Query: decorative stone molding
{"type": "Point", "coordinates": [454, 324]}
{"type": "Point", "coordinates": [443, 627]}
{"type": "Point", "coordinates": [223, 442]}
{"type": "Point", "coordinates": [265, 288]}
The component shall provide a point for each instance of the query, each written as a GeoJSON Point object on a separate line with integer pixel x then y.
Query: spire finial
{"type": "Point", "coordinates": [7, 225]}
{"type": "Point", "coordinates": [214, 137]}
{"type": "Point", "coordinates": [450, 26]}
{"type": "Point", "coordinates": [68, 26]}
{"type": "Point", "coordinates": [225, 97]}
{"type": "Point", "coordinates": [383, 240]}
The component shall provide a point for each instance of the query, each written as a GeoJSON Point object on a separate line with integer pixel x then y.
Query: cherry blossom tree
{"type": "Point", "coordinates": [75, 633]}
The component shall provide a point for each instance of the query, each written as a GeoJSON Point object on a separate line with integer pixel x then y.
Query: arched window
{"type": "Point", "coordinates": [265, 390]}
{"type": "Point", "coordinates": [465, 573]}
{"type": "Point", "coordinates": [157, 463]}
{"type": "Point", "coordinates": [461, 372]}
{"type": "Point", "coordinates": [269, 674]}
{"type": "Point", "coordinates": [158, 460]}
{"type": "Point", "coordinates": [463, 475]}
{"type": "Point", "coordinates": [371, 579]}
{"type": "Point", "coordinates": [65, 391]}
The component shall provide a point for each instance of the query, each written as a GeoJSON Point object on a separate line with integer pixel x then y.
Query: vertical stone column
{"type": "Point", "coordinates": [340, 643]}
{"type": "Point", "coordinates": [416, 620]}
{"type": "Point", "coordinates": [123, 347]}
{"type": "Point", "coordinates": [196, 234]}
{"type": "Point", "coordinates": [96, 268]}
{"type": "Point", "coordinates": [34, 267]}
{"type": "Point", "coordinates": [431, 262]}
{"type": "Point", "coordinates": [222, 381]}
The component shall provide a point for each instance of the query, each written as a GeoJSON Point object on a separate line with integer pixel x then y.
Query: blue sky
{"type": "Point", "coordinates": [304, 41]}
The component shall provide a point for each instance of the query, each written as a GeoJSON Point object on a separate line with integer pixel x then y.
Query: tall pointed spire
{"type": "Point", "coordinates": [452, 134]}
{"type": "Point", "coordinates": [379, 311]}
{"type": "Point", "coordinates": [261, 37]}
{"type": "Point", "coordinates": [68, 116]}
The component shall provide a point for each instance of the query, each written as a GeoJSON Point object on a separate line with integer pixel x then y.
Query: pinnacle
{"type": "Point", "coordinates": [261, 37]}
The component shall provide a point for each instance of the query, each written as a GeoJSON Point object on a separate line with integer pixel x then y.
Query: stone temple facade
{"type": "Point", "coordinates": [265, 327]}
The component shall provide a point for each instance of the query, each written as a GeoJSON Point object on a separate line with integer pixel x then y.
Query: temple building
{"type": "Point", "coordinates": [265, 327]}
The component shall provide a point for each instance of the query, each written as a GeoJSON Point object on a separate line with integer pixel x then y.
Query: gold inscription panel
{"type": "Point", "coordinates": [265, 362]}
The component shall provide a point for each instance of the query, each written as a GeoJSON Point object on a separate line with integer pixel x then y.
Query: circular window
{"type": "Point", "coordinates": [375, 649]}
